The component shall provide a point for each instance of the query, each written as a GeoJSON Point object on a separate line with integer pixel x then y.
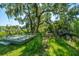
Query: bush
{"type": "Point", "coordinates": [2, 34]}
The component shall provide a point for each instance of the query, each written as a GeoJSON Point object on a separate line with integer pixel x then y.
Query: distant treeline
{"type": "Point", "coordinates": [12, 30]}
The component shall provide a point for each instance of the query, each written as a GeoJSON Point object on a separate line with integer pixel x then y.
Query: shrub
{"type": "Point", "coordinates": [3, 34]}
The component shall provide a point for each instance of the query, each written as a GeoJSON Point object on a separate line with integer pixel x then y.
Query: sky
{"type": "Point", "coordinates": [5, 21]}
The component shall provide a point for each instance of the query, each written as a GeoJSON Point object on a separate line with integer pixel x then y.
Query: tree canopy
{"type": "Point", "coordinates": [36, 14]}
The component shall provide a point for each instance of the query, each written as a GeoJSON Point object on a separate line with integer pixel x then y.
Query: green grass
{"type": "Point", "coordinates": [31, 48]}
{"type": "Point", "coordinates": [62, 48]}
{"type": "Point", "coordinates": [35, 47]}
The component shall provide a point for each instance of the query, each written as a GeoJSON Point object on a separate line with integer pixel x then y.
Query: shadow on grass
{"type": "Point", "coordinates": [6, 49]}
{"type": "Point", "coordinates": [34, 47]}
{"type": "Point", "coordinates": [63, 49]}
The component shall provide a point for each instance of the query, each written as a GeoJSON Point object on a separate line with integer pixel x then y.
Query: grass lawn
{"type": "Point", "coordinates": [62, 48]}
{"type": "Point", "coordinates": [35, 47]}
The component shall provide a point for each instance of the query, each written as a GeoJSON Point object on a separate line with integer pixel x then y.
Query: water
{"type": "Point", "coordinates": [4, 43]}
{"type": "Point", "coordinates": [15, 39]}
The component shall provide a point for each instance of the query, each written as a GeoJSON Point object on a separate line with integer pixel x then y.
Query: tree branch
{"type": "Point", "coordinates": [29, 17]}
{"type": "Point", "coordinates": [45, 11]}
